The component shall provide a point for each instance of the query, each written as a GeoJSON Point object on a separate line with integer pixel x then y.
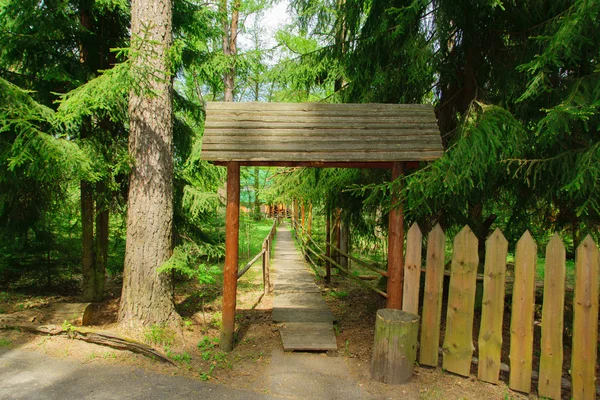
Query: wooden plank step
{"type": "Point", "coordinates": [308, 336]}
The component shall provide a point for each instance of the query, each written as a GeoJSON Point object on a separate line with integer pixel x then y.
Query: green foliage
{"type": "Point", "coordinates": [473, 167]}
{"type": "Point", "coordinates": [185, 261]}
{"type": "Point", "coordinates": [182, 358]}
{"type": "Point", "coordinates": [4, 342]}
{"type": "Point", "coordinates": [160, 335]}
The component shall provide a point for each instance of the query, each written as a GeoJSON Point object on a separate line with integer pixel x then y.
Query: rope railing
{"type": "Point", "coordinates": [265, 253]}
{"type": "Point", "coordinates": [305, 238]}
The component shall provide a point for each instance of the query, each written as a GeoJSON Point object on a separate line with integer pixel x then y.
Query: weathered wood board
{"type": "Point", "coordinates": [584, 354]}
{"type": "Point", "coordinates": [522, 314]}
{"type": "Point", "coordinates": [308, 336]}
{"type": "Point", "coordinates": [458, 341]}
{"type": "Point", "coordinates": [492, 309]}
{"type": "Point", "coordinates": [412, 270]}
{"type": "Point", "coordinates": [320, 132]}
{"type": "Point", "coordinates": [551, 359]}
{"type": "Point", "coordinates": [432, 298]}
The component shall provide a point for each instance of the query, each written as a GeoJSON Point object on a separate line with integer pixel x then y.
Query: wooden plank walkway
{"type": "Point", "coordinates": [298, 303]}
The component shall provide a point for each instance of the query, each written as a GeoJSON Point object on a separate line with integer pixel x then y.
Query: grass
{"type": "Point", "coordinates": [160, 335]}
{"type": "Point", "coordinates": [5, 342]}
{"type": "Point", "coordinates": [337, 295]}
{"type": "Point", "coordinates": [252, 235]}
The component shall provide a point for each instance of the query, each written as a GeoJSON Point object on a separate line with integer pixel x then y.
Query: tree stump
{"type": "Point", "coordinates": [79, 314]}
{"type": "Point", "coordinates": [395, 348]}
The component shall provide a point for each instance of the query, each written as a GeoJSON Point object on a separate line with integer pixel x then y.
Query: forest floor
{"type": "Point", "coordinates": [258, 351]}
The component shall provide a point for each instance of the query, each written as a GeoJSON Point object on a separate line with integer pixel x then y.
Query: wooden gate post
{"type": "Point", "coordinates": [232, 225]}
{"type": "Point", "coordinates": [328, 246]}
{"type": "Point", "coordinates": [395, 279]}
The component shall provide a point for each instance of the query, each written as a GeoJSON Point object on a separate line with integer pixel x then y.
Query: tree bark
{"type": "Point", "coordinates": [147, 293]}
{"type": "Point", "coordinates": [395, 346]}
{"type": "Point", "coordinates": [230, 45]}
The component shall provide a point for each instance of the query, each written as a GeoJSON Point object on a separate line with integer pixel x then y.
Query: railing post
{"type": "Point", "coordinates": [264, 267]}
{"type": "Point", "coordinates": [268, 267]}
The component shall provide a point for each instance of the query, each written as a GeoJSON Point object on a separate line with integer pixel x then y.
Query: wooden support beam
{"type": "Point", "coordinates": [395, 281]}
{"type": "Point", "coordinates": [328, 247]}
{"type": "Point", "coordinates": [232, 225]}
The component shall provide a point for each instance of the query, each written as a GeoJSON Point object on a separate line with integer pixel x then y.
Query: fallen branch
{"type": "Point", "coordinates": [90, 336]}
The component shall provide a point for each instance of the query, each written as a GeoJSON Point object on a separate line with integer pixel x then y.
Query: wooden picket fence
{"type": "Point", "coordinates": [457, 349]}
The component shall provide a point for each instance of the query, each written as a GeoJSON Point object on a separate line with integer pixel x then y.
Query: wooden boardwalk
{"type": "Point", "coordinates": [307, 321]}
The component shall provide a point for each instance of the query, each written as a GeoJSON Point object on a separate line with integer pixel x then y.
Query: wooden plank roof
{"type": "Point", "coordinates": [320, 134]}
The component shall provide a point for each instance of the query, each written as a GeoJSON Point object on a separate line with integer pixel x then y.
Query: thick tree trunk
{"type": "Point", "coordinates": [147, 293]}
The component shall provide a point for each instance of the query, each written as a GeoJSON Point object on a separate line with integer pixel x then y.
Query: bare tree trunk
{"type": "Point", "coordinates": [230, 45]}
{"type": "Point", "coordinates": [147, 296]}
{"type": "Point", "coordinates": [88, 262]}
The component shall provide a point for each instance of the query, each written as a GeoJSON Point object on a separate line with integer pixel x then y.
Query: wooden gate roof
{"type": "Point", "coordinates": [320, 134]}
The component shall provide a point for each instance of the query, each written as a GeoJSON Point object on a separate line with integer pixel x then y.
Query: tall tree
{"type": "Point", "coordinates": [147, 296]}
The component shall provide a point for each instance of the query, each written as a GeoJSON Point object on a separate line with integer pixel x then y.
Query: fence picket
{"type": "Point", "coordinates": [551, 358]}
{"type": "Point", "coordinates": [585, 321]}
{"type": "Point", "coordinates": [432, 297]}
{"type": "Point", "coordinates": [458, 343]}
{"type": "Point", "coordinates": [522, 314]}
{"type": "Point", "coordinates": [492, 309]}
{"type": "Point", "coordinates": [412, 270]}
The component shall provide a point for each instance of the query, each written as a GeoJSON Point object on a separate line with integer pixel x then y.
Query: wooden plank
{"type": "Point", "coordinates": [551, 359]}
{"type": "Point", "coordinates": [585, 322]}
{"type": "Point", "coordinates": [395, 269]}
{"type": "Point", "coordinates": [232, 225]}
{"type": "Point", "coordinates": [348, 156]}
{"type": "Point", "coordinates": [458, 342]}
{"type": "Point", "coordinates": [317, 164]}
{"type": "Point", "coordinates": [309, 147]}
{"type": "Point", "coordinates": [492, 311]}
{"type": "Point", "coordinates": [399, 131]}
{"type": "Point", "coordinates": [267, 118]}
{"type": "Point", "coordinates": [365, 107]}
{"type": "Point", "coordinates": [412, 270]}
{"type": "Point", "coordinates": [522, 314]}
{"type": "Point", "coordinates": [346, 137]}
{"type": "Point", "coordinates": [432, 297]}
{"type": "Point", "coordinates": [308, 336]}
{"type": "Point", "coordinates": [355, 125]}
